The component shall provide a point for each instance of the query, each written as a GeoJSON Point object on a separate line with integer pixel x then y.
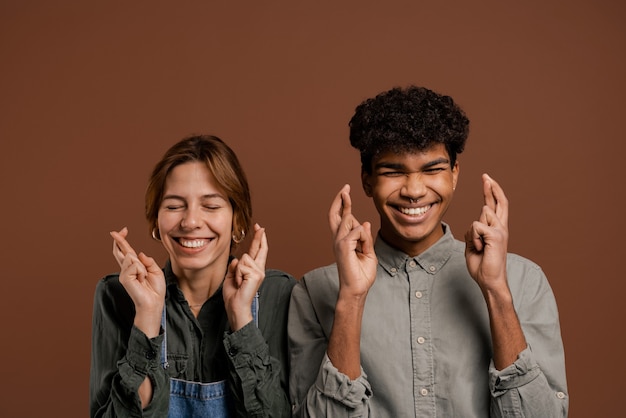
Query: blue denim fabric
{"type": "Point", "coordinates": [191, 399]}
{"type": "Point", "coordinates": [194, 399]}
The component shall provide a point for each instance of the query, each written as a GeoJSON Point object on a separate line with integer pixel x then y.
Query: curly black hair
{"type": "Point", "coordinates": [407, 120]}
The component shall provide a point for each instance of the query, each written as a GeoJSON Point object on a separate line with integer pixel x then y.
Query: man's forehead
{"type": "Point", "coordinates": [434, 152]}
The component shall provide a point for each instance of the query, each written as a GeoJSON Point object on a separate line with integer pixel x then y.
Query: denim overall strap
{"type": "Point", "coordinates": [164, 362]}
{"type": "Point", "coordinates": [255, 309]}
{"type": "Point", "coordinates": [193, 399]}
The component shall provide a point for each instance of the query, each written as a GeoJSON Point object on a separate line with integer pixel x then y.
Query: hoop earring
{"type": "Point", "coordinates": [238, 240]}
{"type": "Point", "coordinates": [155, 231]}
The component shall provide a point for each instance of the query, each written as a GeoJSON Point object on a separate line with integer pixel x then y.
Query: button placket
{"type": "Point", "coordinates": [420, 281]}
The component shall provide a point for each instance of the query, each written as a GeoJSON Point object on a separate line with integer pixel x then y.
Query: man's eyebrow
{"type": "Point", "coordinates": [436, 162]}
{"type": "Point", "coordinates": [399, 166]}
{"type": "Point", "coordinates": [383, 164]}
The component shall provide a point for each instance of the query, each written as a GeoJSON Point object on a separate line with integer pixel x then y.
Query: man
{"type": "Point", "coordinates": [416, 323]}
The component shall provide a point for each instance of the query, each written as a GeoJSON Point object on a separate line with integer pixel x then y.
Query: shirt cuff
{"type": "Point", "coordinates": [248, 340]}
{"type": "Point", "coordinates": [143, 357]}
{"type": "Point", "coordinates": [336, 385]}
{"type": "Point", "coordinates": [523, 371]}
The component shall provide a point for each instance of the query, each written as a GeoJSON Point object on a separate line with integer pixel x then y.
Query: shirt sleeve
{"type": "Point", "coordinates": [317, 388]}
{"type": "Point", "coordinates": [258, 361]}
{"type": "Point", "coordinates": [535, 384]}
{"type": "Point", "coordinates": [121, 358]}
{"type": "Point", "coordinates": [255, 375]}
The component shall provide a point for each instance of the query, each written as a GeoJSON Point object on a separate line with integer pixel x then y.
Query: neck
{"type": "Point", "coordinates": [199, 286]}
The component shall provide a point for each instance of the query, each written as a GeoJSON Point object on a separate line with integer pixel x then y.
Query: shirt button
{"type": "Point", "coordinates": [418, 294]}
{"type": "Point", "coordinates": [150, 354]}
{"type": "Point", "coordinates": [560, 395]}
{"type": "Point", "coordinates": [393, 269]}
{"type": "Point", "coordinates": [432, 268]}
{"type": "Point", "coordinates": [412, 263]}
{"type": "Point", "coordinates": [421, 340]}
{"type": "Point", "coordinates": [232, 351]}
{"type": "Point", "coordinates": [424, 391]}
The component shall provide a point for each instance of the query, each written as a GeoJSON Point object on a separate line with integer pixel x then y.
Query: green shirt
{"type": "Point", "coordinates": [252, 360]}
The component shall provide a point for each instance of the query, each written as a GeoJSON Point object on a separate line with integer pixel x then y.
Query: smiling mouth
{"type": "Point", "coordinates": [415, 211]}
{"type": "Point", "coordinates": [192, 243]}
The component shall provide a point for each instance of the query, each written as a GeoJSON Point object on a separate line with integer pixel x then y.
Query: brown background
{"type": "Point", "coordinates": [92, 93]}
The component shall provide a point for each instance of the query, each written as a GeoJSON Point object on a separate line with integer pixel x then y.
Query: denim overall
{"type": "Point", "coordinates": [193, 399]}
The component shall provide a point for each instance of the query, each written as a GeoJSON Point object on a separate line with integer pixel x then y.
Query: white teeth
{"type": "Point", "coordinates": [193, 243]}
{"type": "Point", "coordinates": [415, 211]}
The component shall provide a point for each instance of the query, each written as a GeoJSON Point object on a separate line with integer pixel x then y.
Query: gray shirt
{"type": "Point", "coordinates": [426, 344]}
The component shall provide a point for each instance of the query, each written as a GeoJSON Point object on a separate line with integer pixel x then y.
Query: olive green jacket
{"type": "Point", "coordinates": [253, 361]}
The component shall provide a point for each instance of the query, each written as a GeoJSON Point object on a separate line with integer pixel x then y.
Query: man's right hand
{"type": "Point", "coordinates": [356, 264]}
{"type": "Point", "coordinates": [353, 247]}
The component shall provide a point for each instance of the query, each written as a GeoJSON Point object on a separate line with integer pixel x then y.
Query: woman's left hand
{"type": "Point", "coordinates": [243, 279]}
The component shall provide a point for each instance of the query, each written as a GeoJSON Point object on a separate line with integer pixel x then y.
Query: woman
{"type": "Point", "coordinates": [186, 340]}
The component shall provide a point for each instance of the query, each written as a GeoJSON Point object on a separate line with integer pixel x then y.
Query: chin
{"type": "Point", "coordinates": [417, 236]}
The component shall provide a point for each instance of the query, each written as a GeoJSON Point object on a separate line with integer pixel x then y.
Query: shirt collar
{"type": "Point", "coordinates": [170, 278]}
{"type": "Point", "coordinates": [172, 282]}
{"type": "Point", "coordinates": [431, 260]}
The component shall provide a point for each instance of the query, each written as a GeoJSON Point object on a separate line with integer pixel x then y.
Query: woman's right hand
{"type": "Point", "coordinates": [143, 279]}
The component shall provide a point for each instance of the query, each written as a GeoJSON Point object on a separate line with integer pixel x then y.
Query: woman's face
{"type": "Point", "coordinates": [195, 221]}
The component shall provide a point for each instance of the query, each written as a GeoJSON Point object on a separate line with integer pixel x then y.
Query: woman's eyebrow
{"type": "Point", "coordinates": [204, 197]}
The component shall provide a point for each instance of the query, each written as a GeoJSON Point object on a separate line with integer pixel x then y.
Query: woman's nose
{"type": "Point", "coordinates": [190, 219]}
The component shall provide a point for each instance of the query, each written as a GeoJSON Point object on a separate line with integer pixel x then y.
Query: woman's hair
{"type": "Point", "coordinates": [221, 162]}
{"type": "Point", "coordinates": [407, 120]}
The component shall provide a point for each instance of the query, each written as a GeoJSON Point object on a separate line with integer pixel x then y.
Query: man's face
{"type": "Point", "coordinates": [411, 192]}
